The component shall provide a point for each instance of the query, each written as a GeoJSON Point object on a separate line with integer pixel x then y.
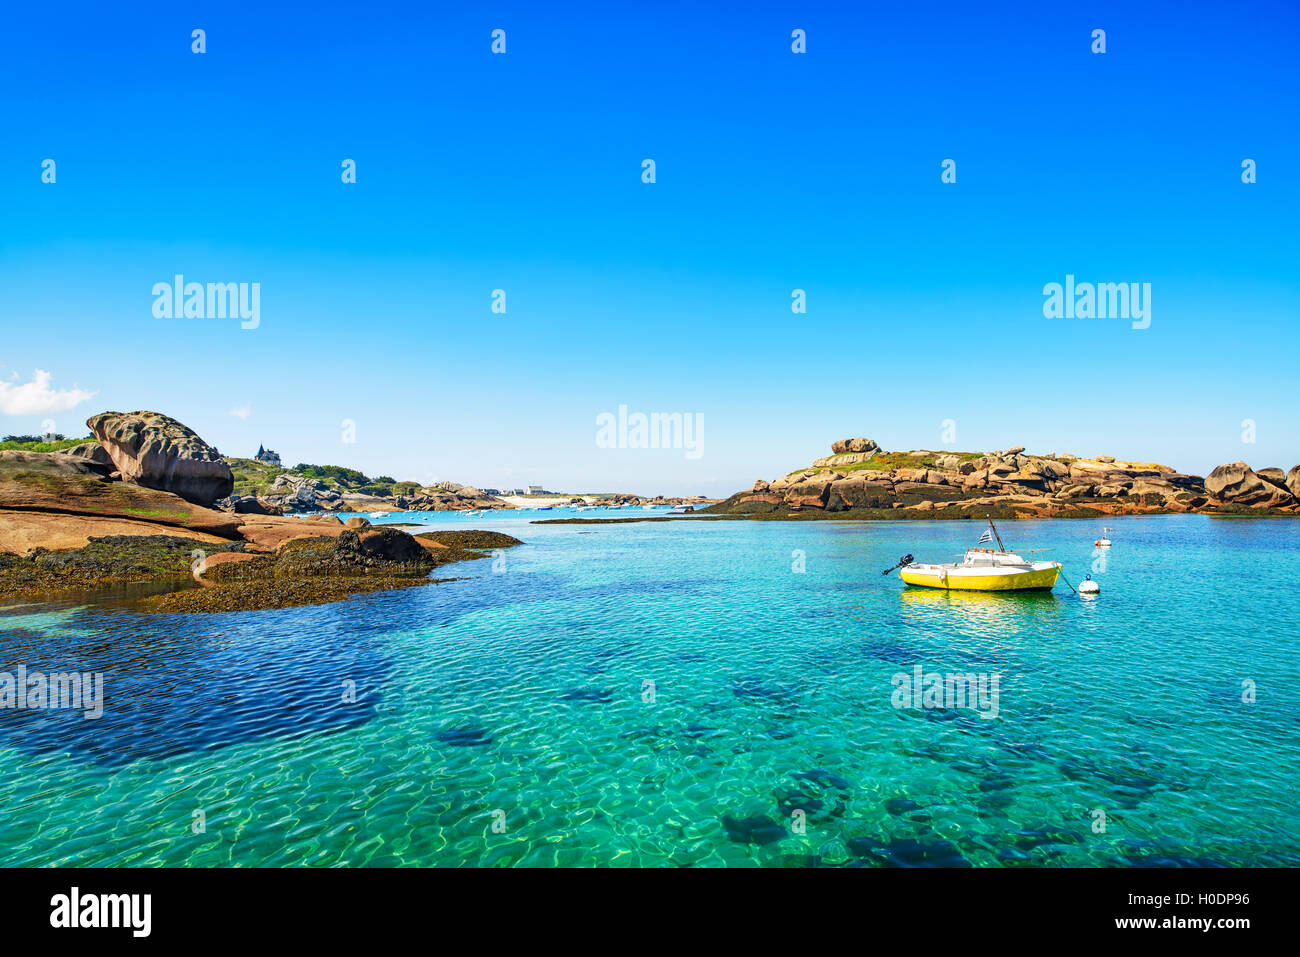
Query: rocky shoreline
{"type": "Point", "coordinates": [136, 508]}
{"type": "Point", "coordinates": [148, 503]}
{"type": "Point", "coordinates": [860, 480]}
{"type": "Point", "coordinates": [293, 493]}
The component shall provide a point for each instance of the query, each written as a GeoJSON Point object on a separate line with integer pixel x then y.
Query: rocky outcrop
{"type": "Point", "coordinates": [1008, 483]}
{"type": "Point", "coordinates": [292, 492]}
{"type": "Point", "coordinates": [1235, 483]}
{"type": "Point", "coordinates": [158, 452]}
{"type": "Point", "coordinates": [23, 533]}
{"type": "Point", "coordinates": [69, 486]}
{"type": "Point", "coordinates": [113, 512]}
{"type": "Point", "coordinates": [54, 500]}
{"type": "Point", "coordinates": [248, 505]}
{"type": "Point", "coordinates": [314, 570]}
{"type": "Point", "coordinates": [1274, 476]}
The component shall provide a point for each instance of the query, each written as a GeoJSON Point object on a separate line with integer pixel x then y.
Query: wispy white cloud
{"type": "Point", "coordinates": [241, 411]}
{"type": "Point", "coordinates": [36, 397]}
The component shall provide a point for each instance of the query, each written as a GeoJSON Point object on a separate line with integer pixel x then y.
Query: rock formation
{"type": "Point", "coordinates": [156, 451]}
{"type": "Point", "coordinates": [1238, 484]}
{"type": "Point", "coordinates": [72, 489]}
{"type": "Point", "coordinates": [292, 492]}
{"type": "Point", "coordinates": [859, 476]}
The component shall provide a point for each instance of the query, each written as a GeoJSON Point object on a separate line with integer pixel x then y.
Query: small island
{"type": "Point", "coordinates": [861, 480]}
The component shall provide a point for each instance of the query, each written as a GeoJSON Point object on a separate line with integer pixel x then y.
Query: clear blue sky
{"type": "Point", "coordinates": [775, 171]}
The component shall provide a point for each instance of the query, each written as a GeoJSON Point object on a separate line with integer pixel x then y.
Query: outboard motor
{"type": "Point", "coordinates": [905, 560]}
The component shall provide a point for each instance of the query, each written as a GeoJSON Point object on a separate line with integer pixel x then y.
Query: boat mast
{"type": "Point", "coordinates": [996, 535]}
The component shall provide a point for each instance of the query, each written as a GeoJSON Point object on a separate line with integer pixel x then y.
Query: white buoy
{"type": "Point", "coordinates": [1089, 587]}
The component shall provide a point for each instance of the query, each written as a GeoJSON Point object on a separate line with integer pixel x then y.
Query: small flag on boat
{"type": "Point", "coordinates": [986, 537]}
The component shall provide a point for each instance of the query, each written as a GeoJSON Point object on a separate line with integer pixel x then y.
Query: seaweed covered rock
{"type": "Point", "coordinates": [470, 539]}
{"type": "Point", "coordinates": [109, 560]}
{"type": "Point", "coordinates": [310, 571]}
{"type": "Point", "coordinates": [386, 551]}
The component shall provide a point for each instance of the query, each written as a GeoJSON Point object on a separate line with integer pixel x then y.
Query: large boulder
{"type": "Point", "coordinates": [351, 552]}
{"type": "Point", "coordinates": [808, 495]}
{"type": "Point", "coordinates": [92, 454]}
{"type": "Point", "coordinates": [248, 505]}
{"type": "Point", "coordinates": [1051, 468]}
{"type": "Point", "coordinates": [1273, 476]}
{"type": "Point", "coordinates": [156, 451]}
{"type": "Point", "coordinates": [1293, 480]}
{"type": "Point", "coordinates": [1237, 484]}
{"type": "Point", "coordinates": [853, 445]}
{"type": "Point", "coordinates": [857, 493]}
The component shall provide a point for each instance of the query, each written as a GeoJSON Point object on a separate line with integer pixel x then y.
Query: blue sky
{"type": "Point", "coordinates": [775, 171]}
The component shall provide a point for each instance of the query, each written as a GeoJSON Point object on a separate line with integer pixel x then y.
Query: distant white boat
{"type": "Point", "coordinates": [378, 514]}
{"type": "Point", "coordinates": [1104, 541]}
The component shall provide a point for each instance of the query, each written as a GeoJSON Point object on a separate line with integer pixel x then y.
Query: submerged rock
{"type": "Point", "coordinates": [465, 737]}
{"type": "Point", "coordinates": [596, 695]}
{"type": "Point", "coordinates": [752, 830]}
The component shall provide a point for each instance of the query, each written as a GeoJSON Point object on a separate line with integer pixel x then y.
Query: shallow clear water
{"type": "Point", "coordinates": [504, 720]}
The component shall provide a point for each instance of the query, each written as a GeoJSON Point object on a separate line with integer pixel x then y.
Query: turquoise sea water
{"type": "Point", "coordinates": [506, 719]}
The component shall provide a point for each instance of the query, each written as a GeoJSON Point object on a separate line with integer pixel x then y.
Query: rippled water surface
{"type": "Point", "coordinates": [509, 719]}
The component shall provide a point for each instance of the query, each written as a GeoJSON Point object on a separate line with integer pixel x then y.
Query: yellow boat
{"type": "Point", "coordinates": [983, 569]}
